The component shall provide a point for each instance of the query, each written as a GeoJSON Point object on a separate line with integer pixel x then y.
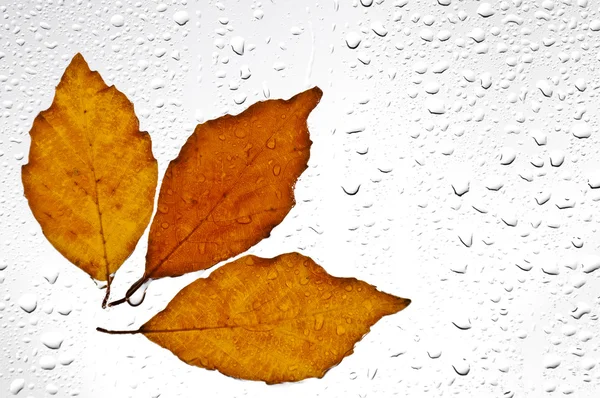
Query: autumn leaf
{"type": "Point", "coordinates": [276, 320]}
{"type": "Point", "coordinates": [91, 176]}
{"type": "Point", "coordinates": [231, 184]}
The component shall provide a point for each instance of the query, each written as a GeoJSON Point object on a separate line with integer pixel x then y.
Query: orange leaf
{"type": "Point", "coordinates": [276, 320]}
{"type": "Point", "coordinates": [91, 176]}
{"type": "Point", "coordinates": [231, 184]}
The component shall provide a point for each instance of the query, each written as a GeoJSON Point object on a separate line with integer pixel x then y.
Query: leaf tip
{"type": "Point", "coordinates": [407, 302]}
{"type": "Point", "coordinates": [317, 92]}
{"type": "Point", "coordinates": [310, 97]}
{"type": "Point", "coordinates": [78, 60]}
{"type": "Point", "coordinates": [396, 304]}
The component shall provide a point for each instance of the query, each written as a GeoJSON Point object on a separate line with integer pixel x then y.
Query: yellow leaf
{"type": "Point", "coordinates": [275, 320]}
{"type": "Point", "coordinates": [231, 184]}
{"type": "Point", "coordinates": [91, 176]}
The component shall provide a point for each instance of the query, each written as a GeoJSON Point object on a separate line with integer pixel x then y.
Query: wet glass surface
{"type": "Point", "coordinates": [454, 161]}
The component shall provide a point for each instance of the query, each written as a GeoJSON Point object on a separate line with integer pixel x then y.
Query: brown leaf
{"type": "Point", "coordinates": [231, 184]}
{"type": "Point", "coordinates": [276, 320]}
{"type": "Point", "coordinates": [91, 176]}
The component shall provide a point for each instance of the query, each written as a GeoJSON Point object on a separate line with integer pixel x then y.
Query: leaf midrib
{"type": "Point", "coordinates": [93, 170]}
{"type": "Point", "coordinates": [275, 324]}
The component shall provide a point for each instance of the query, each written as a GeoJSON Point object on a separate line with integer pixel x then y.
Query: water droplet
{"type": "Point", "coordinates": [28, 302]}
{"type": "Point", "coordinates": [64, 308]}
{"type": "Point", "coordinates": [52, 340]}
{"type": "Point", "coordinates": [50, 273]}
{"type": "Point", "coordinates": [117, 20]}
{"type": "Point", "coordinates": [181, 17]}
{"type": "Point", "coordinates": [51, 388]}
{"type": "Point", "coordinates": [552, 361]}
{"type": "Point", "coordinates": [557, 158]}
{"type": "Point", "coordinates": [550, 268]}
{"type": "Point", "coordinates": [379, 29]}
{"type": "Point", "coordinates": [460, 185]}
{"type": "Point", "coordinates": [590, 263]}
{"type": "Point", "coordinates": [485, 10]}
{"type": "Point", "coordinates": [435, 106]}
{"type": "Point", "coordinates": [509, 218]}
{"type": "Point", "coordinates": [296, 31]}
{"type": "Point", "coordinates": [461, 322]}
{"type": "Point", "coordinates": [259, 14]}
{"type": "Point", "coordinates": [244, 220]}
{"type": "Point", "coordinates": [16, 386]}
{"type": "Point", "coordinates": [434, 352]}
{"type": "Point", "coordinates": [47, 362]}
{"type": "Point", "coordinates": [542, 197]}
{"type": "Point", "coordinates": [272, 274]}
{"type": "Point", "coordinates": [507, 156]}
{"type": "Point", "coordinates": [581, 309]}
{"type": "Point", "coordinates": [351, 189]}
{"type": "Point", "coordinates": [164, 209]}
{"type": "Point", "coordinates": [278, 66]}
{"type": "Point", "coordinates": [545, 88]}
{"type": "Point", "coordinates": [319, 320]}
{"type": "Point", "coordinates": [353, 39]}
{"type": "Point", "coordinates": [157, 83]}
{"type": "Point", "coordinates": [462, 367]}
{"type": "Point", "coordinates": [66, 358]}
{"type": "Point", "coordinates": [465, 235]}
{"type": "Point", "coordinates": [477, 34]}
{"type": "Point", "coordinates": [245, 72]}
{"type": "Point", "coordinates": [237, 45]}
{"type": "Point", "coordinates": [138, 296]}
{"type": "Point", "coordinates": [581, 130]}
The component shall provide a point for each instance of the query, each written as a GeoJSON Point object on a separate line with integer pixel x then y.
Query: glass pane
{"type": "Point", "coordinates": [454, 162]}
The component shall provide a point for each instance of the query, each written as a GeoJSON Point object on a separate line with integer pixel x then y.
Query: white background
{"type": "Point", "coordinates": [459, 258]}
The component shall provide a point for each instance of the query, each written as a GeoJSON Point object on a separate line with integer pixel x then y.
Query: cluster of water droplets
{"type": "Point", "coordinates": [454, 162]}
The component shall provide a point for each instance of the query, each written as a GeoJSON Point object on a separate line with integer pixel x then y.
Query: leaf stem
{"type": "Point", "coordinates": [117, 331]}
{"type": "Point", "coordinates": [134, 288]}
{"type": "Point", "coordinates": [107, 295]}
